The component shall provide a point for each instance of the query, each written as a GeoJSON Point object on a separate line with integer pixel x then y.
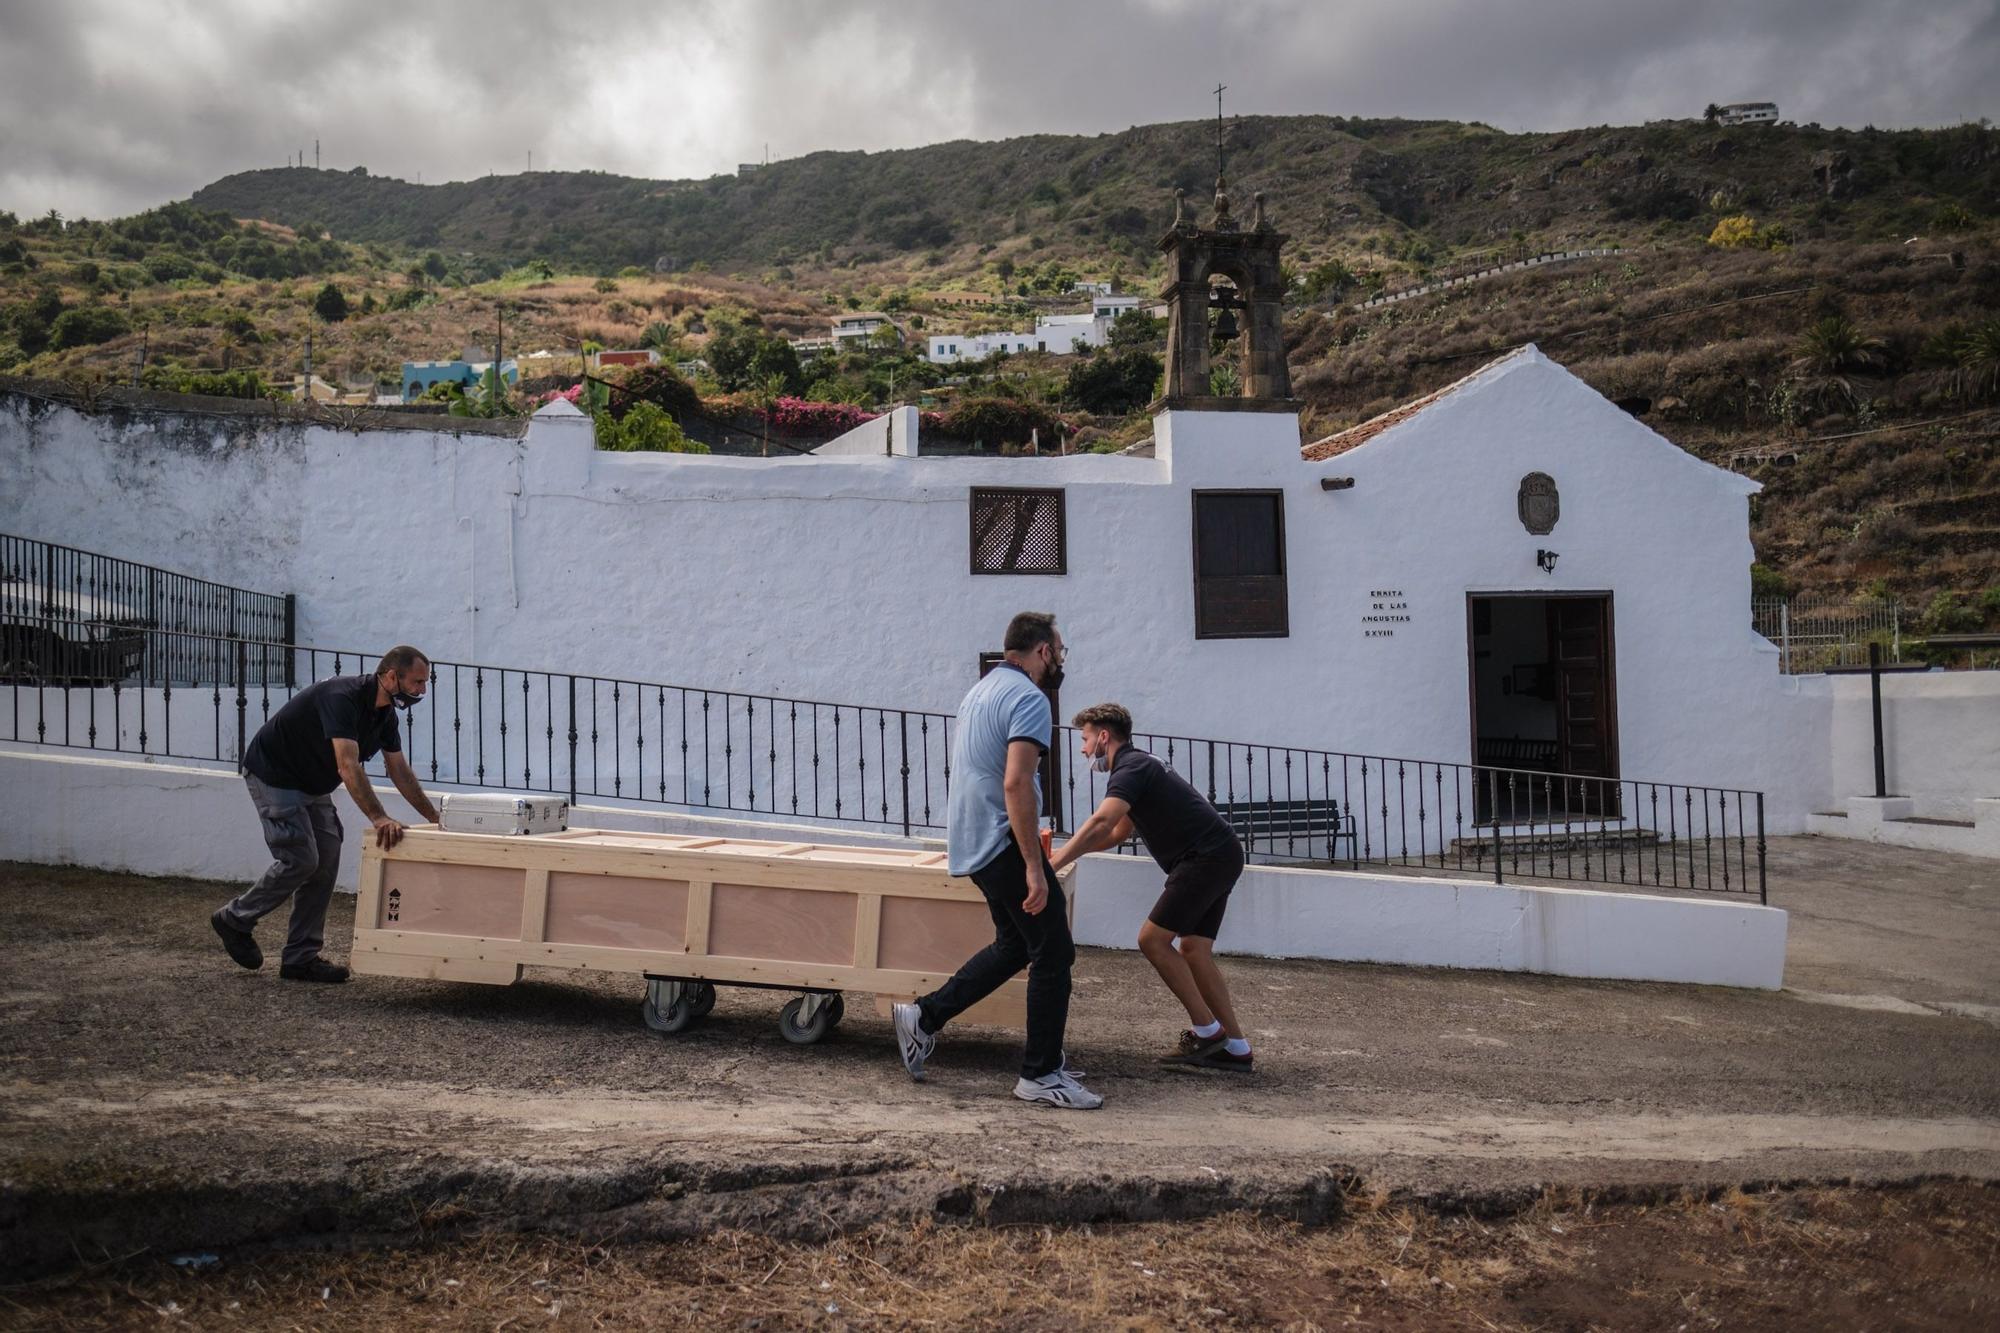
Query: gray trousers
{"type": "Point", "coordinates": [303, 833]}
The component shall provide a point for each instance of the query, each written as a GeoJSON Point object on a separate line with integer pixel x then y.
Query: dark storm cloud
{"type": "Point", "coordinates": [110, 106]}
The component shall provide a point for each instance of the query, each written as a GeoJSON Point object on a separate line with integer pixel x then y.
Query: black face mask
{"type": "Point", "coordinates": [402, 700]}
{"type": "Point", "coordinates": [1052, 676]}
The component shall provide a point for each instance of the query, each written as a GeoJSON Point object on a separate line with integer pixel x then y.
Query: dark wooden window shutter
{"type": "Point", "coordinates": [1018, 531]}
{"type": "Point", "coordinates": [1239, 565]}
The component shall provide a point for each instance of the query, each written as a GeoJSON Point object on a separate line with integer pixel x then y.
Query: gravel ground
{"type": "Point", "coordinates": [154, 1096]}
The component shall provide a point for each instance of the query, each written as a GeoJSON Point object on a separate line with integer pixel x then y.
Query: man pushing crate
{"type": "Point", "coordinates": [1203, 861]}
{"type": "Point", "coordinates": [318, 741]}
{"type": "Point", "coordinates": [1004, 727]}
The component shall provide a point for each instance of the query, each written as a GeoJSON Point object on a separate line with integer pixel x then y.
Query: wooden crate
{"type": "Point", "coordinates": [795, 915]}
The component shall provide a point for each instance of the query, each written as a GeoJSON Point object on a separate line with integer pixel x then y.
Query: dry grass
{"type": "Point", "coordinates": [1827, 1258]}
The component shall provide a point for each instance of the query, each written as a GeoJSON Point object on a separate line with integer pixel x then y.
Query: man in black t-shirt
{"type": "Point", "coordinates": [1203, 860]}
{"type": "Point", "coordinates": [318, 741]}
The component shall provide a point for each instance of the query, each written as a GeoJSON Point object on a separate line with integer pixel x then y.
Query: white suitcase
{"type": "Point", "coordinates": [499, 812]}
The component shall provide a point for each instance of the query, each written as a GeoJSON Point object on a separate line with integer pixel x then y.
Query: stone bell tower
{"type": "Point", "coordinates": [1232, 271]}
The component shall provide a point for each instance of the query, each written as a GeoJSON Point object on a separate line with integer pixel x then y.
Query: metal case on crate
{"type": "Point", "coordinates": [501, 812]}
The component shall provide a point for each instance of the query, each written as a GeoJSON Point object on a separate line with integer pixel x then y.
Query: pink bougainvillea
{"type": "Point", "coordinates": [569, 395]}
{"type": "Point", "coordinates": [807, 417]}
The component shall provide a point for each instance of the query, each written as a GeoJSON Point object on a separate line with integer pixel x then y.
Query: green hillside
{"type": "Point", "coordinates": [1818, 308]}
{"type": "Point", "coordinates": [1418, 189]}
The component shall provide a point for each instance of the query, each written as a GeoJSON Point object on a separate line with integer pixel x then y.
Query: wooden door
{"type": "Point", "coordinates": [1586, 700]}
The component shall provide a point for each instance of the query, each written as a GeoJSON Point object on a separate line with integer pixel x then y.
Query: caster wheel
{"type": "Point", "coordinates": [672, 1017]}
{"type": "Point", "coordinates": [805, 1032]}
{"type": "Point", "coordinates": [836, 1008]}
{"type": "Point", "coordinates": [703, 999]}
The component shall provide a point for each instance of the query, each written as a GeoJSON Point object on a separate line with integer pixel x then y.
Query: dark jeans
{"type": "Point", "coordinates": [303, 833]}
{"type": "Point", "coordinates": [1040, 943]}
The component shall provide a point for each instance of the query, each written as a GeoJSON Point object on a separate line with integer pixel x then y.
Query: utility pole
{"type": "Point", "coordinates": [305, 393]}
{"type": "Point", "coordinates": [315, 155]}
{"type": "Point", "coordinates": [145, 340]}
{"type": "Point", "coordinates": [531, 161]}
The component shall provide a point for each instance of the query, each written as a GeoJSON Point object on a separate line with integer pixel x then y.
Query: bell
{"type": "Point", "coordinates": [1225, 324]}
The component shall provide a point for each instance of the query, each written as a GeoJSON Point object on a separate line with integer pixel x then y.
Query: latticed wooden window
{"type": "Point", "coordinates": [1017, 531]}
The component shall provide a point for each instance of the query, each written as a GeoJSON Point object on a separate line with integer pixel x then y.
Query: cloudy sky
{"type": "Point", "coordinates": [110, 106]}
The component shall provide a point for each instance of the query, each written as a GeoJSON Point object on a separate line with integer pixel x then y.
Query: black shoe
{"type": "Point", "coordinates": [242, 945]}
{"type": "Point", "coordinates": [1190, 1049]}
{"type": "Point", "coordinates": [314, 969]}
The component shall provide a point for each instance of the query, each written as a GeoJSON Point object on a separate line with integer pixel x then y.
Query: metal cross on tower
{"type": "Point", "coordinates": [1220, 89]}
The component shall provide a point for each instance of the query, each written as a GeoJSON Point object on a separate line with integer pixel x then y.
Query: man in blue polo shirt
{"type": "Point", "coordinates": [1004, 728]}
{"type": "Point", "coordinates": [318, 741]}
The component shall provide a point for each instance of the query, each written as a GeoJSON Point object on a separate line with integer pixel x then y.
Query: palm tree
{"type": "Point", "coordinates": [1979, 360]}
{"type": "Point", "coordinates": [1828, 353]}
{"type": "Point", "coordinates": [1834, 345]}
{"type": "Point", "coordinates": [1711, 113]}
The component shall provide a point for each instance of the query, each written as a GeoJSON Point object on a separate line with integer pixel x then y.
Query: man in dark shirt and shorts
{"type": "Point", "coordinates": [1203, 860]}
{"type": "Point", "coordinates": [318, 741]}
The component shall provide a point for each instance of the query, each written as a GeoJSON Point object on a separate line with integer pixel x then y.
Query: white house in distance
{"type": "Point", "coordinates": [858, 324]}
{"type": "Point", "coordinates": [1748, 113]}
{"type": "Point", "coordinates": [1052, 333]}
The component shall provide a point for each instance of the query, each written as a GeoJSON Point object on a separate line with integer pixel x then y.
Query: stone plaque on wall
{"type": "Point", "coordinates": [1538, 503]}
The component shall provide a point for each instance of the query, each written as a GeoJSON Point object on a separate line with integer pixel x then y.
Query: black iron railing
{"type": "Point", "coordinates": [103, 600]}
{"type": "Point", "coordinates": [649, 743]}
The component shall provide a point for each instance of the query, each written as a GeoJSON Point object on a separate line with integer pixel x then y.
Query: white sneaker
{"type": "Point", "coordinates": [1058, 1089]}
{"type": "Point", "coordinates": [1070, 1069]}
{"type": "Point", "coordinates": [912, 1041]}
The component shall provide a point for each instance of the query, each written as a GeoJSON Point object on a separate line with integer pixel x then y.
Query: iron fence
{"type": "Point", "coordinates": [1814, 633]}
{"type": "Point", "coordinates": [654, 744]}
{"type": "Point", "coordinates": [108, 604]}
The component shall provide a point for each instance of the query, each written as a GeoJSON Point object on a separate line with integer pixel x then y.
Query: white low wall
{"type": "Point", "coordinates": [165, 817]}
{"type": "Point", "coordinates": [1940, 734]}
{"type": "Point", "coordinates": [1280, 912]}
{"type": "Point", "coordinates": [183, 819]}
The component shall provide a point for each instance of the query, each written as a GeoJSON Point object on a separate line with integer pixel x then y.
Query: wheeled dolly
{"type": "Point", "coordinates": [672, 1003]}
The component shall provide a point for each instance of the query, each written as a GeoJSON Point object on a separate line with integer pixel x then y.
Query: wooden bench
{"type": "Point", "coordinates": [687, 913]}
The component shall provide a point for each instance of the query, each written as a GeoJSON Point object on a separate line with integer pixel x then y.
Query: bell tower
{"type": "Point", "coordinates": [1231, 271]}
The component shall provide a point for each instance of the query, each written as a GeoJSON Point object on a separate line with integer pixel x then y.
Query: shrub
{"type": "Point", "coordinates": [212, 383]}
{"type": "Point", "coordinates": [1767, 584]}
{"type": "Point", "coordinates": [604, 285]}
{"type": "Point", "coordinates": [1948, 614]}
{"type": "Point", "coordinates": [87, 326]}
{"type": "Point", "coordinates": [660, 385]}
{"type": "Point", "coordinates": [330, 305]}
{"type": "Point", "coordinates": [994, 421]}
{"type": "Point", "coordinates": [646, 427]}
{"type": "Point", "coordinates": [1114, 384]}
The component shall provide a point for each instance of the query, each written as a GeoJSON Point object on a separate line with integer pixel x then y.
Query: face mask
{"type": "Point", "coordinates": [1052, 674]}
{"type": "Point", "coordinates": [1099, 764]}
{"type": "Point", "coordinates": [402, 700]}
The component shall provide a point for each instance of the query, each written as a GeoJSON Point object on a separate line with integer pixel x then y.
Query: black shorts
{"type": "Point", "coordinates": [1197, 894]}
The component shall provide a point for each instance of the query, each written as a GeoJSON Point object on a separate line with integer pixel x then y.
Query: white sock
{"type": "Point", "coordinates": [1236, 1045]}
{"type": "Point", "coordinates": [1207, 1030]}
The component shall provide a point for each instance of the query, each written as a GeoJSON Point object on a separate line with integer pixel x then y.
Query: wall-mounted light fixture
{"type": "Point", "coordinates": [1336, 483]}
{"type": "Point", "coordinates": [1547, 560]}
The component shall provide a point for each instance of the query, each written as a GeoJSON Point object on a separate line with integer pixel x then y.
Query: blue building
{"type": "Point", "coordinates": [419, 377]}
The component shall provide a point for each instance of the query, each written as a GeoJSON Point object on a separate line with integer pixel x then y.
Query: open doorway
{"type": "Point", "coordinates": [1544, 699]}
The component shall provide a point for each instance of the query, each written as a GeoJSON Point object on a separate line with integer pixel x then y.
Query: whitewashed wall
{"type": "Point", "coordinates": [846, 578]}
{"type": "Point", "coordinates": [196, 821]}
{"type": "Point", "coordinates": [1940, 732]}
